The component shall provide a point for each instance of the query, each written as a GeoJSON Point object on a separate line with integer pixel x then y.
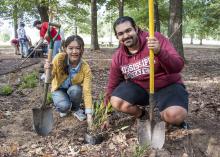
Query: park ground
{"type": "Point", "coordinates": [201, 75]}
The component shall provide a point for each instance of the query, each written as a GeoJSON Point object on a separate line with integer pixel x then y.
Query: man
{"type": "Point", "coordinates": [22, 38]}
{"type": "Point", "coordinates": [128, 84]}
{"type": "Point", "coordinates": [43, 27]}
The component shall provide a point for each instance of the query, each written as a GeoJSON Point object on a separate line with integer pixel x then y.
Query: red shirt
{"type": "Point", "coordinates": [53, 31]}
{"type": "Point", "coordinates": [15, 41]}
{"type": "Point", "coordinates": [168, 65]}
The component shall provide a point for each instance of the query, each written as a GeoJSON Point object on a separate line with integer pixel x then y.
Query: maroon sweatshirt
{"type": "Point", "coordinates": [168, 65]}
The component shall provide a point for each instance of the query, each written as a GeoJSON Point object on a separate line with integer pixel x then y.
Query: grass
{"type": "Point", "coordinates": [6, 89]}
{"type": "Point", "coordinates": [140, 150]}
{"type": "Point", "coordinates": [29, 80]}
{"type": "Point", "coordinates": [49, 98]}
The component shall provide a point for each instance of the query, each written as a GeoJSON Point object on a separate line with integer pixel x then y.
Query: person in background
{"type": "Point", "coordinates": [128, 84]}
{"type": "Point", "coordinates": [71, 80]}
{"type": "Point", "coordinates": [43, 27]}
{"type": "Point", "coordinates": [15, 44]}
{"type": "Point", "coordinates": [23, 41]}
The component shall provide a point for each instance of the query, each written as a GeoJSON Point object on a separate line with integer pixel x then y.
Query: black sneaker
{"type": "Point", "coordinates": [144, 116]}
{"type": "Point", "coordinates": [184, 125]}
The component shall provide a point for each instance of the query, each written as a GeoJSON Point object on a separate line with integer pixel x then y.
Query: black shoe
{"type": "Point", "coordinates": [144, 116]}
{"type": "Point", "coordinates": [184, 125]}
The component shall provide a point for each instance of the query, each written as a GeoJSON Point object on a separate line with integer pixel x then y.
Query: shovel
{"type": "Point", "coordinates": [43, 116]}
{"type": "Point", "coordinates": [150, 132]}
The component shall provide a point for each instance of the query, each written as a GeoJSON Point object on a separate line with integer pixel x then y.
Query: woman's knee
{"type": "Point", "coordinates": [75, 91]}
{"type": "Point", "coordinates": [63, 106]}
{"type": "Point", "coordinates": [61, 101]}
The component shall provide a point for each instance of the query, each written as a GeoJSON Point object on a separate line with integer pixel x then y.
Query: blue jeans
{"type": "Point", "coordinates": [23, 47]}
{"type": "Point", "coordinates": [64, 99]}
{"type": "Point", "coordinates": [56, 48]}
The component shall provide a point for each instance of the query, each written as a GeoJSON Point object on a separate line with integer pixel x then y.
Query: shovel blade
{"type": "Point", "coordinates": [151, 134]}
{"type": "Point", "coordinates": [42, 120]}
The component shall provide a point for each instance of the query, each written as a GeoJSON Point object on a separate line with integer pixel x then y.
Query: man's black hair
{"type": "Point", "coordinates": [122, 20]}
{"type": "Point", "coordinates": [22, 24]}
{"type": "Point", "coordinates": [36, 23]}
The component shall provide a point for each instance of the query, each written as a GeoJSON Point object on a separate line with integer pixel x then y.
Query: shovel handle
{"type": "Point", "coordinates": [48, 71]}
{"type": "Point", "coordinates": [151, 34]}
{"type": "Point", "coordinates": [47, 79]}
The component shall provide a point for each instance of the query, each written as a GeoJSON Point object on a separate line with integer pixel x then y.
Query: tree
{"type": "Point", "coordinates": [121, 7]}
{"type": "Point", "coordinates": [157, 16]}
{"type": "Point", "coordinates": [43, 10]}
{"type": "Point", "coordinates": [94, 34]}
{"type": "Point", "coordinates": [175, 25]}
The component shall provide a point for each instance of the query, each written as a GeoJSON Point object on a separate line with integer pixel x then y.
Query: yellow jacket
{"type": "Point", "coordinates": [83, 77]}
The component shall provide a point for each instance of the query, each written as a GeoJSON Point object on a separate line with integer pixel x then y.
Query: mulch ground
{"type": "Point", "coordinates": [17, 137]}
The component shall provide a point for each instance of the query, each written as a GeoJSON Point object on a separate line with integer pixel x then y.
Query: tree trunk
{"type": "Point", "coordinates": [175, 25]}
{"type": "Point", "coordinates": [121, 7]}
{"type": "Point", "coordinates": [200, 41]}
{"type": "Point", "coordinates": [43, 9]}
{"type": "Point", "coordinates": [94, 34]}
{"type": "Point", "coordinates": [191, 39]}
{"type": "Point", "coordinates": [15, 20]}
{"type": "Point", "coordinates": [157, 18]}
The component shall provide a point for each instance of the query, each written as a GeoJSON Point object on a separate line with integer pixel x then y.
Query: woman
{"type": "Point", "coordinates": [71, 79]}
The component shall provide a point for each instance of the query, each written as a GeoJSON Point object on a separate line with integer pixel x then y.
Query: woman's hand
{"type": "Point", "coordinates": [47, 64]}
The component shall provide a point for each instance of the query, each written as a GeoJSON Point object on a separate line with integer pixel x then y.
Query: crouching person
{"type": "Point", "coordinates": [71, 80]}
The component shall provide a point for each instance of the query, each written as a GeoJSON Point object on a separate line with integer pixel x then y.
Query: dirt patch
{"type": "Point", "coordinates": [201, 75]}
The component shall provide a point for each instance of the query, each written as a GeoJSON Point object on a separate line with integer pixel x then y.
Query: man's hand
{"type": "Point", "coordinates": [153, 43]}
{"type": "Point", "coordinates": [89, 120]}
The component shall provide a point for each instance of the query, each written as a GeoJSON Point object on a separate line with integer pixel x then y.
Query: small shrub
{"type": "Point", "coordinates": [29, 80]}
{"type": "Point", "coordinates": [6, 90]}
{"type": "Point", "coordinates": [100, 113]}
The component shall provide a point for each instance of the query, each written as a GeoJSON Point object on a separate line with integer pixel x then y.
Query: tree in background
{"type": "Point", "coordinates": [156, 16]}
{"type": "Point", "coordinates": [94, 34]}
{"type": "Point", "coordinates": [121, 7]}
{"type": "Point", "coordinates": [175, 25]}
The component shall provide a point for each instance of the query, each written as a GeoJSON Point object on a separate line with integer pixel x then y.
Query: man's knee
{"type": "Point", "coordinates": [116, 103]}
{"type": "Point", "coordinates": [174, 114]}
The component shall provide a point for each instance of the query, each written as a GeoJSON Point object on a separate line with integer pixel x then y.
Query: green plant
{"type": "Point", "coordinates": [100, 113]}
{"type": "Point", "coordinates": [49, 98]}
{"type": "Point", "coordinates": [6, 90]}
{"type": "Point", "coordinates": [140, 150]}
{"type": "Point", "coordinates": [29, 80]}
{"type": "Point", "coordinates": [5, 37]}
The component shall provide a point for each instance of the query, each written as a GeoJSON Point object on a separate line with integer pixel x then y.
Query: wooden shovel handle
{"type": "Point", "coordinates": [48, 71]}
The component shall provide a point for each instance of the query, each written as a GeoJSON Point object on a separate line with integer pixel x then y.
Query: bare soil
{"type": "Point", "coordinates": [17, 137]}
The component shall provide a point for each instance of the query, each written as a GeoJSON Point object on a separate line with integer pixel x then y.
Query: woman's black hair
{"type": "Point", "coordinates": [76, 38]}
{"type": "Point", "coordinates": [122, 20]}
{"type": "Point", "coordinates": [36, 22]}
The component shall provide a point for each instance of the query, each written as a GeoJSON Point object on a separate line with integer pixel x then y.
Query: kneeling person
{"type": "Point", "coordinates": [71, 79]}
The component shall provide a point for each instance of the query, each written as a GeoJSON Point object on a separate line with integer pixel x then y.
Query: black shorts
{"type": "Point", "coordinates": [174, 94]}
